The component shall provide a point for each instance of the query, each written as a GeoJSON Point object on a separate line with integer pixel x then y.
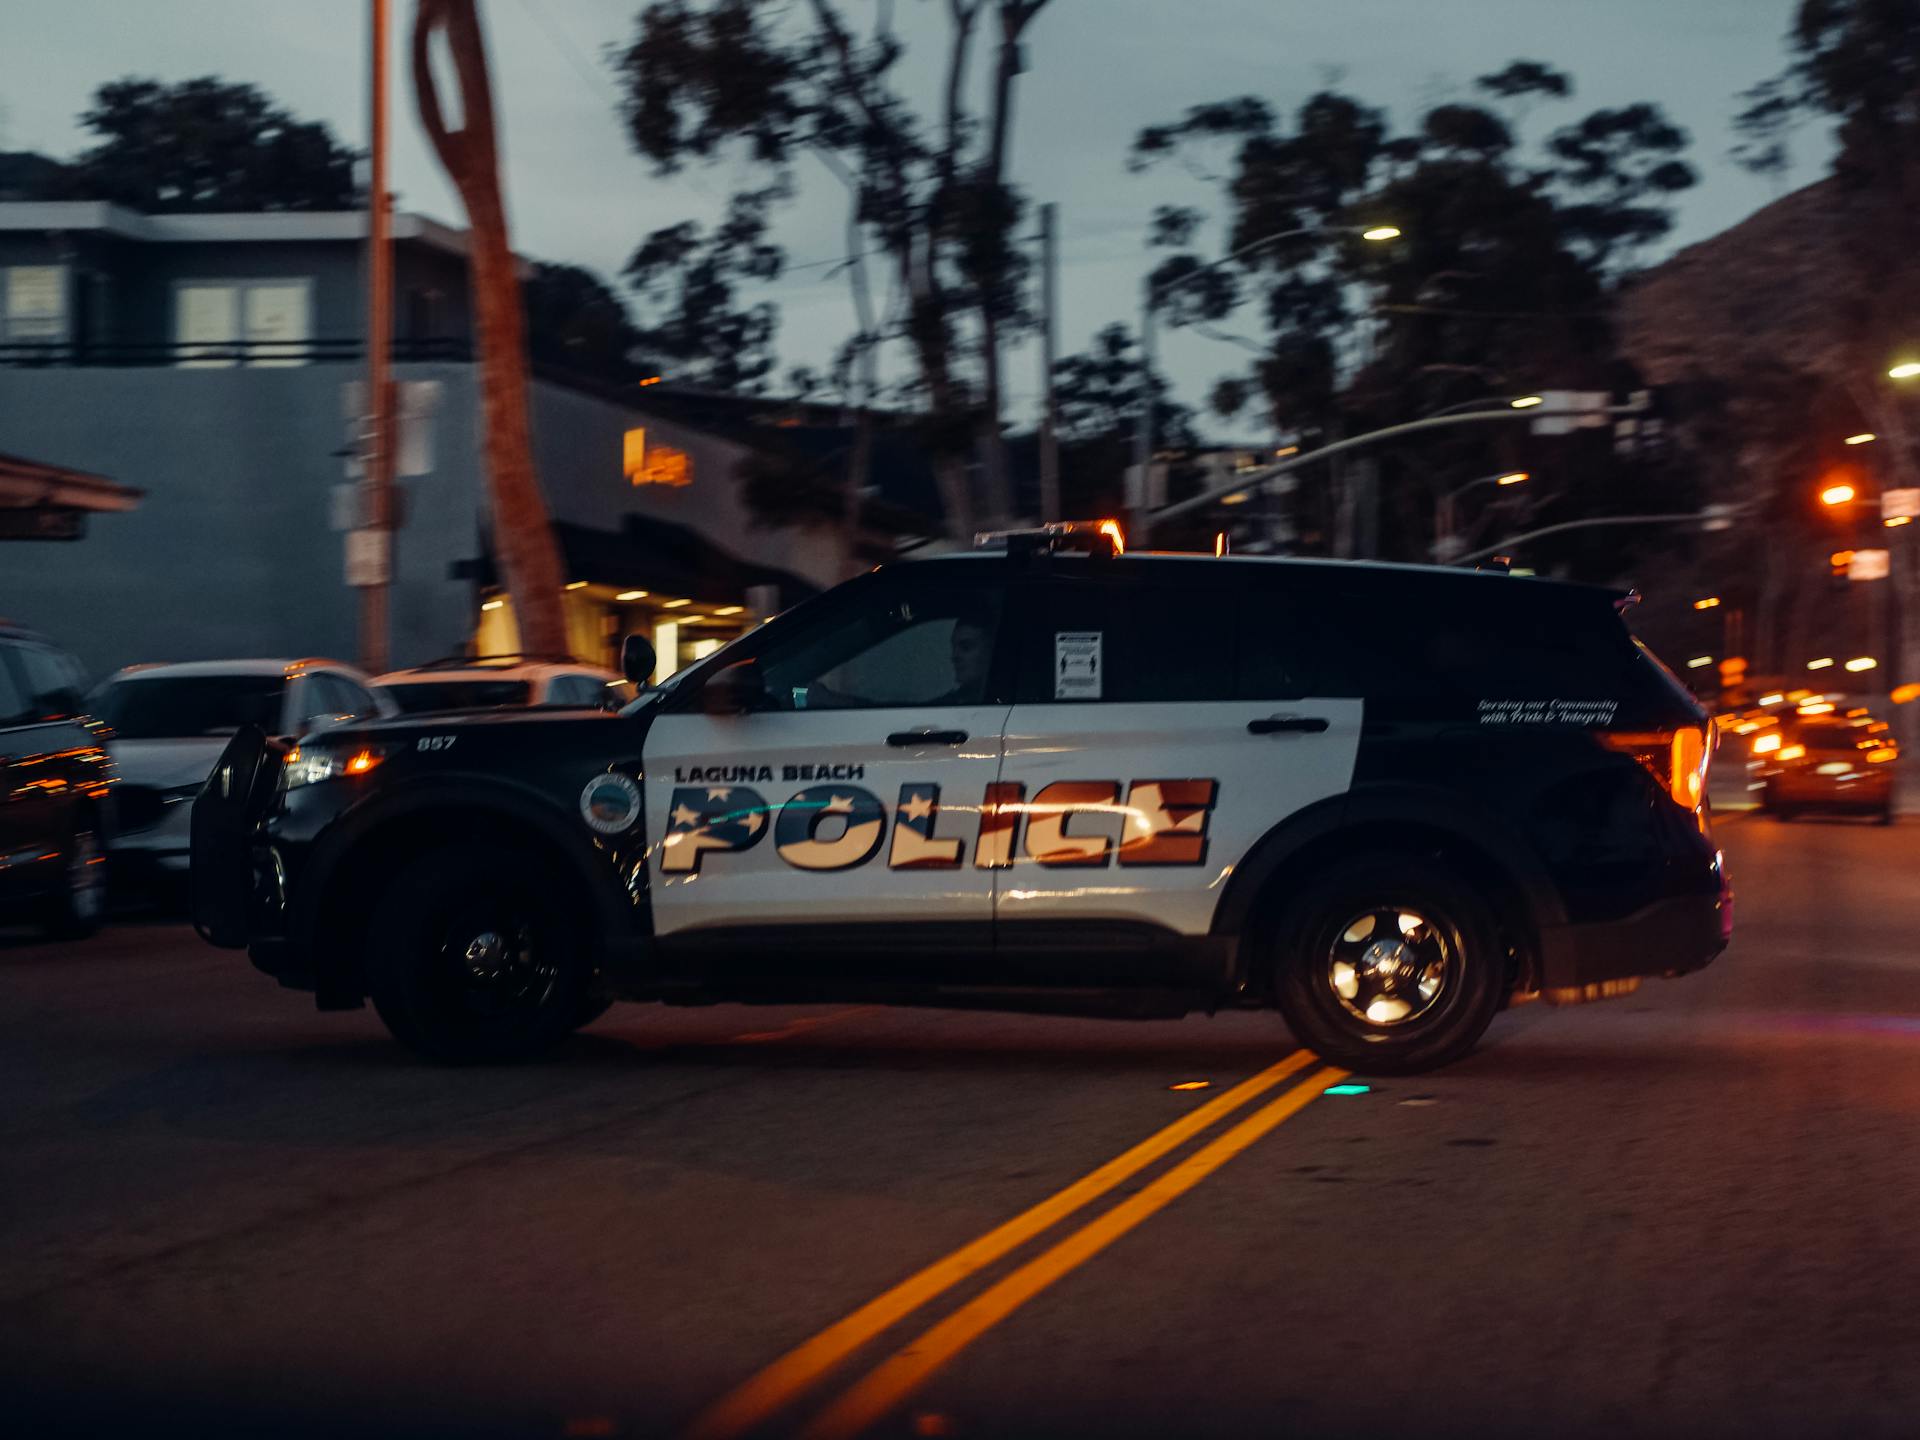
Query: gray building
{"type": "Point", "coordinates": [214, 361]}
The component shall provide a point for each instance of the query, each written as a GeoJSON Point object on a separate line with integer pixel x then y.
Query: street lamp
{"type": "Point", "coordinates": [1482, 402]}
{"type": "Point", "coordinates": [1150, 297]}
{"type": "Point", "coordinates": [1527, 402]}
{"type": "Point", "coordinates": [1444, 540]}
{"type": "Point", "coordinates": [1837, 495]}
{"type": "Point", "coordinates": [1866, 437]}
{"type": "Point", "coordinates": [1905, 370]}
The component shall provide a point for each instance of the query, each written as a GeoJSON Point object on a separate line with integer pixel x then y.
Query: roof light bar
{"type": "Point", "coordinates": [1089, 537]}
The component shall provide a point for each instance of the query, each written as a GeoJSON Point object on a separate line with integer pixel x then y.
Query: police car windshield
{"type": "Point", "coordinates": [419, 697]}
{"type": "Point", "coordinates": [183, 707]}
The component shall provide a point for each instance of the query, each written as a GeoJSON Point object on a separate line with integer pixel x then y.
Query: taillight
{"type": "Point", "coordinates": [1678, 759]}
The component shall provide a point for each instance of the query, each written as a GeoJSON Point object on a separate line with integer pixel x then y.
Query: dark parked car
{"type": "Point", "coordinates": [56, 785]}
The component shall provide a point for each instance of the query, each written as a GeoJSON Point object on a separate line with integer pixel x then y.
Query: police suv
{"type": "Point", "coordinates": [1386, 801]}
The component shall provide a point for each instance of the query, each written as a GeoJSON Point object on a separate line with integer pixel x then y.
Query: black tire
{"type": "Point", "coordinates": [453, 995]}
{"type": "Point", "coordinates": [1884, 815]}
{"type": "Point", "coordinates": [74, 908]}
{"type": "Point", "coordinates": [1458, 942]}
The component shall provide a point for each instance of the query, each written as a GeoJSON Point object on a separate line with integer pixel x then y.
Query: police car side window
{"type": "Point", "coordinates": [888, 646]}
{"type": "Point", "coordinates": [1460, 639]}
{"type": "Point", "coordinates": [1275, 625]}
{"type": "Point", "coordinates": [1157, 644]}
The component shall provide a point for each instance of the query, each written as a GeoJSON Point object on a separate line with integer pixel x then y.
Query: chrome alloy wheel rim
{"type": "Point", "coordinates": [503, 969]}
{"type": "Point", "coordinates": [1388, 966]}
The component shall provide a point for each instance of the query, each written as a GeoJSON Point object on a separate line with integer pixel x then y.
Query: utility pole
{"type": "Point", "coordinates": [1049, 300]}
{"type": "Point", "coordinates": [374, 545]}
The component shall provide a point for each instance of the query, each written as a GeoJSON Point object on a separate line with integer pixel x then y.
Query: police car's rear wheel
{"type": "Point", "coordinates": [1389, 965]}
{"type": "Point", "coordinates": [475, 957]}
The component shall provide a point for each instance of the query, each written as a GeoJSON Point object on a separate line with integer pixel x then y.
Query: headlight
{"type": "Point", "coordinates": [310, 765]}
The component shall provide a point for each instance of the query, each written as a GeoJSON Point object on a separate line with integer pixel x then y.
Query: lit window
{"type": "Point", "coordinates": [255, 322]}
{"type": "Point", "coordinates": [646, 464]}
{"type": "Point", "coordinates": [35, 305]}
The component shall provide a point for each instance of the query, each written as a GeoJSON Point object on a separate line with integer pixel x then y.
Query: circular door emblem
{"type": "Point", "coordinates": [610, 803]}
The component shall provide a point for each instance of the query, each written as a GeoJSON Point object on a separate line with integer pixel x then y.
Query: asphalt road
{"type": "Point", "coordinates": [1687, 1212]}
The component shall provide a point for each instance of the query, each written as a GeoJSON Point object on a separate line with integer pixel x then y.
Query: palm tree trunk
{"type": "Point", "coordinates": [522, 531]}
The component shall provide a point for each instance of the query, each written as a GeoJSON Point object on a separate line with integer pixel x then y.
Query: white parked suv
{"type": "Point", "coordinates": [493, 682]}
{"type": "Point", "coordinates": [170, 723]}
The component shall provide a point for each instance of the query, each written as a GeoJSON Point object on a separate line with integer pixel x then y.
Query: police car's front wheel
{"type": "Point", "coordinates": [476, 957]}
{"type": "Point", "coordinates": [1389, 964]}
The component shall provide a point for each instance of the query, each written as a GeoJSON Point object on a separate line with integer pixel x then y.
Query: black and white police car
{"type": "Point", "coordinates": [1384, 800]}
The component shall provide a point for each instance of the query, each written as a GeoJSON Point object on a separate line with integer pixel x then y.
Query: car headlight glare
{"type": "Point", "coordinates": [309, 765]}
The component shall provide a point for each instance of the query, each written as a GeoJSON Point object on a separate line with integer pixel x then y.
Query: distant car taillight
{"type": "Point", "coordinates": [1678, 759]}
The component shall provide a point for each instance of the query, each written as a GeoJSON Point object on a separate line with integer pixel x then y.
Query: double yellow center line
{"type": "Point", "coordinates": [786, 1379]}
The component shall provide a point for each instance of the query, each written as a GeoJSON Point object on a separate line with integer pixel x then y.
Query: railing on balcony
{"type": "Point", "coordinates": [226, 354]}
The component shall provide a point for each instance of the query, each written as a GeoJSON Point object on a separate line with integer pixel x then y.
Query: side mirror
{"type": "Point", "coordinates": [734, 690]}
{"type": "Point", "coordinates": [637, 659]}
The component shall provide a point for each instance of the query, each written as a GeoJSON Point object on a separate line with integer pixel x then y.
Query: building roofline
{"type": "Point", "coordinates": [235, 227]}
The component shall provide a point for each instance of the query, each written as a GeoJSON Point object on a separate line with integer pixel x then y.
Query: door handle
{"type": "Point", "coordinates": [927, 735]}
{"type": "Point", "coordinates": [1288, 725]}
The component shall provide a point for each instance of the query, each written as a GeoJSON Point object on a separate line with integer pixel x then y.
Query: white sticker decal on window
{"type": "Point", "coordinates": [1076, 665]}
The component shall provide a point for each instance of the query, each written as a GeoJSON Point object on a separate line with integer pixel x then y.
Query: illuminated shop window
{"type": "Point", "coordinates": [646, 464]}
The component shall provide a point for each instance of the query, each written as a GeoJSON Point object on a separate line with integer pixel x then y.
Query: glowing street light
{"type": "Point", "coordinates": [1905, 370]}
{"type": "Point", "coordinates": [1837, 494]}
{"type": "Point", "coordinates": [1707, 603]}
{"type": "Point", "coordinates": [1514, 477]}
{"type": "Point", "coordinates": [1152, 294]}
{"type": "Point", "coordinates": [1862, 662]}
{"type": "Point", "coordinates": [1527, 402]}
{"type": "Point", "coordinates": [1865, 437]}
{"type": "Point", "coordinates": [1824, 663]}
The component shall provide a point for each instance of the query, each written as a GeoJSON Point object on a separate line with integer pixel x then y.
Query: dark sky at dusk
{"type": "Point", "coordinates": [1098, 70]}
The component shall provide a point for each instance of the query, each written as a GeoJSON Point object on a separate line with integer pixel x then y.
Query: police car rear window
{"type": "Point", "coordinates": [1455, 639]}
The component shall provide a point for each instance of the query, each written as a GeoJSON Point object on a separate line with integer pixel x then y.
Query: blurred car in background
{"type": "Point", "coordinates": [1820, 757]}
{"type": "Point", "coordinates": [491, 682]}
{"type": "Point", "coordinates": [56, 784]}
{"type": "Point", "coordinates": [169, 724]}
